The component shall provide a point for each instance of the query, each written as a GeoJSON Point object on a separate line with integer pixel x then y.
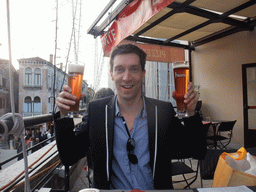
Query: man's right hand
{"type": "Point", "coordinates": [65, 100]}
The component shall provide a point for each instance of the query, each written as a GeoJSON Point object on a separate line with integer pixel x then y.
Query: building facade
{"type": "Point", "coordinates": [36, 86]}
{"type": "Point", "coordinates": [5, 101]}
{"type": "Point", "coordinates": [36, 90]}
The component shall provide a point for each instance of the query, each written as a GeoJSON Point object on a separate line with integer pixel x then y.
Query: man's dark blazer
{"type": "Point", "coordinates": [168, 139]}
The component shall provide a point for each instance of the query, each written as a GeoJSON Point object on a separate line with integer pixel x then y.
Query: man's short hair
{"type": "Point", "coordinates": [127, 49]}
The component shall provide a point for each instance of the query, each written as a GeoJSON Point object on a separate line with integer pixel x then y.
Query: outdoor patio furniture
{"type": "Point", "coordinates": [218, 140]}
{"type": "Point", "coordinates": [184, 167]}
{"type": "Point", "coordinates": [209, 163]}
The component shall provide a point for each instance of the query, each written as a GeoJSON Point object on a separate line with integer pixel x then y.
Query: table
{"type": "Point", "coordinates": [253, 188]}
{"type": "Point", "coordinates": [135, 190]}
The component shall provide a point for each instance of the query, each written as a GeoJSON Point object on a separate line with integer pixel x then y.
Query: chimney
{"type": "Point", "coordinates": [61, 66]}
{"type": "Point", "coordinates": [51, 58]}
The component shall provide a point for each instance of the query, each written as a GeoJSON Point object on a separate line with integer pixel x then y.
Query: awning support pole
{"type": "Point", "coordinates": [190, 62]}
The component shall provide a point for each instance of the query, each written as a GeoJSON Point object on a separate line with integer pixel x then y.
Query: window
{"type": "Point", "coordinates": [4, 104]}
{"type": "Point", "coordinates": [28, 76]}
{"type": "Point", "coordinates": [37, 77]}
{"type": "Point", "coordinates": [2, 81]}
{"type": "Point", "coordinates": [50, 102]}
{"type": "Point", "coordinates": [37, 105]}
{"type": "Point", "coordinates": [27, 105]}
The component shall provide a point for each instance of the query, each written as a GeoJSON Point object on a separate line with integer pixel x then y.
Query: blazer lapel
{"type": "Point", "coordinates": [111, 121]}
{"type": "Point", "coordinates": [151, 129]}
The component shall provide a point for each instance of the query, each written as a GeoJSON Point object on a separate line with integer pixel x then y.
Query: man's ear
{"type": "Point", "coordinates": [111, 74]}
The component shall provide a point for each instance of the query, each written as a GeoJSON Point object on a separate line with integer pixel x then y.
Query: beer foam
{"type": "Point", "coordinates": [73, 68]}
{"type": "Point", "coordinates": [180, 66]}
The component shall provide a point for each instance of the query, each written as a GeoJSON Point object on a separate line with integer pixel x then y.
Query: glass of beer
{"type": "Point", "coordinates": [181, 79]}
{"type": "Point", "coordinates": [75, 81]}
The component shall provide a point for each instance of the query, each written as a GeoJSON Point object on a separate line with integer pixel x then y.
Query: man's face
{"type": "Point", "coordinates": [127, 75]}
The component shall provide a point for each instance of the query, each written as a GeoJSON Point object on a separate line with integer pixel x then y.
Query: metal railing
{"type": "Point", "coordinates": [28, 150]}
{"type": "Point", "coordinates": [30, 121]}
{"type": "Point", "coordinates": [34, 167]}
{"type": "Point", "coordinates": [25, 114]}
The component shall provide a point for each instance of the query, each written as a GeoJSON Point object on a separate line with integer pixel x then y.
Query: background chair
{"type": "Point", "coordinates": [252, 151]}
{"type": "Point", "coordinates": [208, 132]}
{"type": "Point", "coordinates": [220, 140]}
{"type": "Point", "coordinates": [206, 127]}
{"type": "Point", "coordinates": [209, 163]}
{"type": "Point", "coordinates": [185, 167]}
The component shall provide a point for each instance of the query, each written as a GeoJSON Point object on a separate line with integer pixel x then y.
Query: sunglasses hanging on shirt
{"type": "Point", "coordinates": [130, 145]}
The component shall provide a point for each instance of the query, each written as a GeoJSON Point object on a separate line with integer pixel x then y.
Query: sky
{"type": "Point", "coordinates": [33, 27]}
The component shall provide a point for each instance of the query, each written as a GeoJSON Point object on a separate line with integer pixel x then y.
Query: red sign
{"type": "Point", "coordinates": [134, 15]}
{"type": "Point", "coordinates": [159, 53]}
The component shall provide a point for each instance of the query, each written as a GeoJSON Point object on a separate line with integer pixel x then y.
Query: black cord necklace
{"type": "Point", "coordinates": [130, 146]}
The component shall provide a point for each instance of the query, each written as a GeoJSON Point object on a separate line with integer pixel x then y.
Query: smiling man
{"type": "Point", "coordinates": [128, 76]}
{"type": "Point", "coordinates": [131, 138]}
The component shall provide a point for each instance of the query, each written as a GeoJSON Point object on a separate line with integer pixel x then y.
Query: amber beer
{"type": "Point", "coordinates": [75, 81]}
{"type": "Point", "coordinates": [181, 78]}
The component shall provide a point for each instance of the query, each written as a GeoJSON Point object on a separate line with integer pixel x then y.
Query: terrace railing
{"type": "Point", "coordinates": [30, 121]}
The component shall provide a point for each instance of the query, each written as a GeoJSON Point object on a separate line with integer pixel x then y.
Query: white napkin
{"type": "Point", "coordinates": [226, 189]}
{"type": "Point", "coordinates": [247, 165]}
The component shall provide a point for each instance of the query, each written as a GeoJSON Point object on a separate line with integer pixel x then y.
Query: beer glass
{"type": "Point", "coordinates": [181, 79]}
{"type": "Point", "coordinates": [75, 81]}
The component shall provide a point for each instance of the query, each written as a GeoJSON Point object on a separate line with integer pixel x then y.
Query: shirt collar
{"type": "Point", "coordinates": [143, 112]}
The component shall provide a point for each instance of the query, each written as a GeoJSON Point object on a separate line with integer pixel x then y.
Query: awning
{"type": "Point", "coordinates": [195, 21]}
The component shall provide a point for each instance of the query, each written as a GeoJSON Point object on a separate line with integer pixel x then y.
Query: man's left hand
{"type": "Point", "coordinates": [191, 98]}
